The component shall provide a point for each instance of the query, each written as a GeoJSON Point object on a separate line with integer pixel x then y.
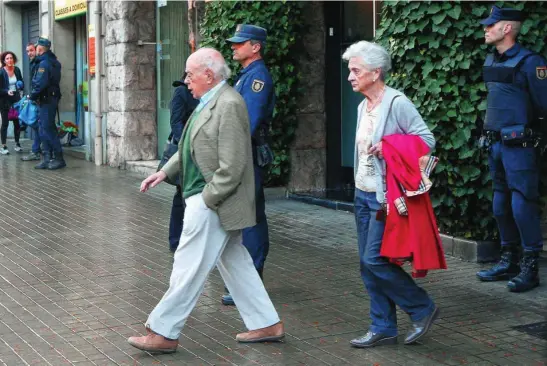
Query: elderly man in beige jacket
{"type": "Point", "coordinates": [216, 169]}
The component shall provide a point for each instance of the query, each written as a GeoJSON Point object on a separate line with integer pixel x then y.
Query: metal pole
{"type": "Point", "coordinates": [97, 14]}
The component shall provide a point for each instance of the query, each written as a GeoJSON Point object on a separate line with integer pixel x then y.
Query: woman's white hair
{"type": "Point", "coordinates": [372, 56]}
{"type": "Point", "coordinates": [212, 59]}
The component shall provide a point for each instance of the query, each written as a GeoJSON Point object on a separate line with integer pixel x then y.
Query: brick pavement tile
{"type": "Point", "coordinates": [89, 280]}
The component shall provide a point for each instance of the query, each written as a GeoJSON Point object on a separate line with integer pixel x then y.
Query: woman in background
{"type": "Point", "coordinates": [11, 82]}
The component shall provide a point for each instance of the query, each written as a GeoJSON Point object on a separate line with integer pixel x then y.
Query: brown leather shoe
{"type": "Point", "coordinates": [273, 333]}
{"type": "Point", "coordinates": [153, 342]}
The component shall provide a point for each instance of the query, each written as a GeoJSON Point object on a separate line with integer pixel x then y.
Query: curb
{"type": "Point", "coordinates": [478, 251]}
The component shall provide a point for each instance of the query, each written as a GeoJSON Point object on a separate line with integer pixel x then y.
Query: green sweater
{"type": "Point", "coordinates": [192, 179]}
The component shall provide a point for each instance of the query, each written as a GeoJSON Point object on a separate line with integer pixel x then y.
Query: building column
{"type": "Point", "coordinates": [131, 81]}
{"type": "Point", "coordinates": [308, 151]}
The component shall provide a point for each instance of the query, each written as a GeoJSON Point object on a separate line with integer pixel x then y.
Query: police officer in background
{"type": "Point", "coordinates": [46, 91]}
{"type": "Point", "coordinates": [516, 79]}
{"type": "Point", "coordinates": [255, 85]}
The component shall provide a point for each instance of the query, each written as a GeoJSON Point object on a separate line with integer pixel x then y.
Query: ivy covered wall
{"type": "Point", "coordinates": [284, 21]}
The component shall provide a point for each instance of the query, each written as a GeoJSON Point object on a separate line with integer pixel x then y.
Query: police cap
{"type": "Point", "coordinates": [43, 41]}
{"type": "Point", "coordinates": [497, 14]}
{"type": "Point", "coordinates": [245, 32]}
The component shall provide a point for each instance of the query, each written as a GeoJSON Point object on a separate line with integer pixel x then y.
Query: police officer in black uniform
{"type": "Point", "coordinates": [46, 91]}
{"type": "Point", "coordinates": [516, 79]}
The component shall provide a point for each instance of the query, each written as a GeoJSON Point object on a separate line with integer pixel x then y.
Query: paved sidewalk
{"type": "Point", "coordinates": [84, 258]}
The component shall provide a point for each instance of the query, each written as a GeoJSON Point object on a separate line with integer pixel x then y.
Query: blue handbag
{"type": "Point", "coordinates": [28, 111]}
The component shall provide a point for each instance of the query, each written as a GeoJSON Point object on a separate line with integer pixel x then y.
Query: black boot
{"type": "Point", "coordinates": [46, 157]}
{"type": "Point", "coordinates": [528, 277]}
{"type": "Point", "coordinates": [505, 269]}
{"type": "Point", "coordinates": [57, 162]}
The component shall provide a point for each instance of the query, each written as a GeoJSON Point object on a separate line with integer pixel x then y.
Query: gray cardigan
{"type": "Point", "coordinates": [404, 118]}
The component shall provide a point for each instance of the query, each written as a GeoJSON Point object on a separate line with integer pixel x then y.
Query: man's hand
{"type": "Point", "coordinates": [11, 93]}
{"type": "Point", "coordinates": [377, 150]}
{"type": "Point", "coordinates": [153, 180]}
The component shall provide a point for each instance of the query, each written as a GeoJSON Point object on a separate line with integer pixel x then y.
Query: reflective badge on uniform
{"type": "Point", "coordinates": [541, 72]}
{"type": "Point", "coordinates": [41, 69]}
{"type": "Point", "coordinates": [257, 86]}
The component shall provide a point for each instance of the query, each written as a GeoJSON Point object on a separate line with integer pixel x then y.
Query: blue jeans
{"type": "Point", "coordinates": [515, 175]}
{"type": "Point", "coordinates": [256, 238]}
{"type": "Point", "coordinates": [36, 143]}
{"type": "Point", "coordinates": [387, 283]}
{"type": "Point", "coordinates": [176, 220]}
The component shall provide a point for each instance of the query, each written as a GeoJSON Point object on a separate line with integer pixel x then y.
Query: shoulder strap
{"type": "Point", "coordinates": [384, 182]}
{"type": "Point", "coordinates": [389, 112]}
{"type": "Point", "coordinates": [523, 58]}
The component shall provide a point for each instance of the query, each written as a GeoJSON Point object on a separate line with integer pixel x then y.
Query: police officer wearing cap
{"type": "Point", "coordinates": [47, 92]}
{"type": "Point", "coordinates": [255, 85]}
{"type": "Point", "coordinates": [516, 80]}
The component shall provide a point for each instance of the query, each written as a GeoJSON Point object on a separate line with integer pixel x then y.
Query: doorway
{"type": "Point", "coordinates": [346, 23]}
{"type": "Point", "coordinates": [172, 51]}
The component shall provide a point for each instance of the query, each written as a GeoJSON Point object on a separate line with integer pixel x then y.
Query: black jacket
{"type": "Point", "coordinates": [45, 81]}
{"type": "Point", "coordinates": [6, 100]}
{"type": "Point", "coordinates": [182, 106]}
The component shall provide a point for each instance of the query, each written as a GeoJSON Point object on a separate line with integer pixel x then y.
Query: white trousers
{"type": "Point", "coordinates": [203, 245]}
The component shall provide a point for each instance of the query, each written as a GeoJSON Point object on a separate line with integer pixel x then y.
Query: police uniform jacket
{"type": "Point", "coordinates": [45, 82]}
{"type": "Point", "coordinates": [517, 88]}
{"type": "Point", "coordinates": [255, 85]}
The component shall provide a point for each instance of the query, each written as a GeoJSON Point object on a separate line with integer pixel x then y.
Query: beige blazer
{"type": "Point", "coordinates": [221, 149]}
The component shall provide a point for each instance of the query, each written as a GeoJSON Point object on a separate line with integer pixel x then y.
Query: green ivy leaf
{"type": "Point", "coordinates": [438, 18]}
{"type": "Point", "coordinates": [455, 12]}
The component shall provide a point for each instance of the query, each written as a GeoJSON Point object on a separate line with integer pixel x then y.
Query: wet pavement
{"type": "Point", "coordinates": [84, 258]}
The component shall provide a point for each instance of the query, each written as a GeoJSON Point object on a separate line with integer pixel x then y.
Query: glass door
{"type": "Point", "coordinates": [172, 51]}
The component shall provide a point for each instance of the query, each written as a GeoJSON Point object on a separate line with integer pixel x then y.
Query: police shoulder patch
{"type": "Point", "coordinates": [541, 72]}
{"type": "Point", "coordinates": [257, 85]}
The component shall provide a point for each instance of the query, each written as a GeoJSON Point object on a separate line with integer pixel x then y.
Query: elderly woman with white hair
{"type": "Point", "coordinates": [384, 111]}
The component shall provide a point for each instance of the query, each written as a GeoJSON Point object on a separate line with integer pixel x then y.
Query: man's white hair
{"type": "Point", "coordinates": [212, 59]}
{"type": "Point", "coordinates": [372, 56]}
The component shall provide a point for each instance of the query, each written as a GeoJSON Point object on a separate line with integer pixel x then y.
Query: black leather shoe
{"type": "Point", "coordinates": [57, 162]}
{"type": "Point", "coordinates": [372, 339]}
{"type": "Point", "coordinates": [528, 278]}
{"type": "Point", "coordinates": [46, 157]}
{"type": "Point", "coordinates": [505, 269]}
{"type": "Point", "coordinates": [227, 300]}
{"type": "Point", "coordinates": [421, 327]}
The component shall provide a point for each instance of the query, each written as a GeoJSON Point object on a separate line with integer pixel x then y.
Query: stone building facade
{"type": "Point", "coordinates": [130, 60]}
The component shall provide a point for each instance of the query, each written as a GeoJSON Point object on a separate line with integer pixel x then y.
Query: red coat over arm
{"type": "Point", "coordinates": [414, 237]}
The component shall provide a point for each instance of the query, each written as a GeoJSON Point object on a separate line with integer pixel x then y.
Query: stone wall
{"type": "Point", "coordinates": [131, 81]}
{"type": "Point", "coordinates": [308, 151]}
